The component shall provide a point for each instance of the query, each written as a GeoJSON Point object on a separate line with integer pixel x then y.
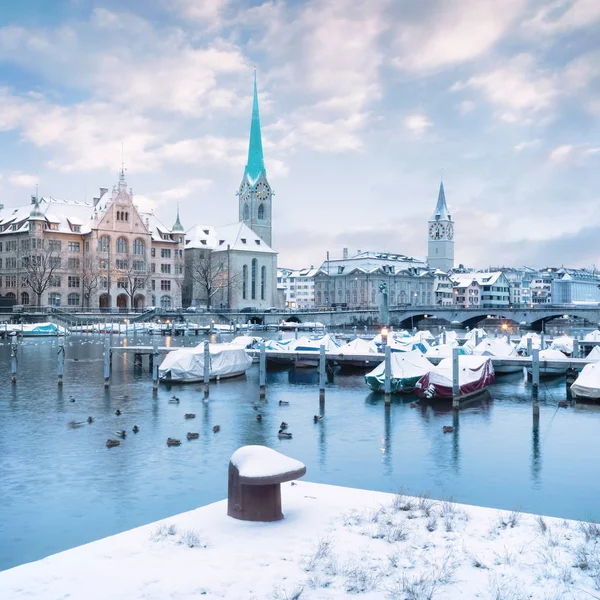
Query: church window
{"type": "Point", "coordinates": [263, 282]}
{"type": "Point", "coordinates": [103, 243]}
{"type": "Point", "coordinates": [246, 212]}
{"type": "Point", "coordinates": [253, 284]}
{"type": "Point", "coordinates": [244, 280]}
{"type": "Point", "coordinates": [138, 247]}
{"type": "Point", "coordinates": [261, 212]}
{"type": "Point", "coordinates": [121, 245]}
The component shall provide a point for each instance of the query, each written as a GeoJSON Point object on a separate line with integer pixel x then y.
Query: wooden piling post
{"type": "Point", "coordinates": [477, 338]}
{"type": "Point", "coordinates": [60, 366]}
{"type": "Point", "coordinates": [387, 383]}
{"type": "Point", "coordinates": [529, 346]}
{"type": "Point", "coordinates": [206, 370]}
{"type": "Point", "coordinates": [455, 379]}
{"type": "Point", "coordinates": [106, 361]}
{"type": "Point", "coordinates": [296, 333]}
{"type": "Point", "coordinates": [13, 359]}
{"type": "Point", "coordinates": [262, 371]}
{"type": "Point", "coordinates": [575, 353]}
{"type": "Point", "coordinates": [155, 364]}
{"type": "Point", "coordinates": [543, 341]}
{"type": "Point", "coordinates": [322, 373]}
{"type": "Point", "coordinates": [444, 337]}
{"type": "Point", "coordinates": [535, 373]}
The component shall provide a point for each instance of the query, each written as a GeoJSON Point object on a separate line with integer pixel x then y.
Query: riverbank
{"type": "Point", "coordinates": [333, 542]}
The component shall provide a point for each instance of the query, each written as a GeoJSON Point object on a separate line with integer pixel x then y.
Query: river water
{"type": "Point", "coordinates": [61, 487]}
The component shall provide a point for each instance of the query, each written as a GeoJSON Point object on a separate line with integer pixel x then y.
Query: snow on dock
{"type": "Point", "coordinates": [333, 542]}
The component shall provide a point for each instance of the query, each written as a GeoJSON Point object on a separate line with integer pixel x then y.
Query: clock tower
{"type": "Point", "coordinates": [440, 254]}
{"type": "Point", "coordinates": [255, 194]}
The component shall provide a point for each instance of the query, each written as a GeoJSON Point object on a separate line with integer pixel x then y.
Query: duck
{"type": "Point", "coordinates": [90, 419]}
{"type": "Point", "coordinates": [317, 418]}
{"type": "Point", "coordinates": [118, 412]}
{"type": "Point", "coordinates": [174, 400]}
{"type": "Point", "coordinates": [563, 404]}
{"type": "Point", "coordinates": [447, 429]}
{"type": "Point", "coordinates": [216, 428]}
{"type": "Point", "coordinates": [414, 405]}
{"type": "Point", "coordinates": [121, 433]}
{"type": "Point", "coordinates": [254, 407]}
{"type": "Point", "coordinates": [173, 442]}
{"type": "Point", "coordinates": [112, 443]}
{"type": "Point", "coordinates": [71, 399]}
{"type": "Point", "coordinates": [259, 417]}
{"type": "Point", "coordinates": [283, 425]}
{"type": "Point", "coordinates": [135, 429]}
{"type": "Point", "coordinates": [190, 416]}
{"type": "Point", "coordinates": [192, 436]}
{"type": "Point", "coordinates": [284, 403]}
{"type": "Point", "coordinates": [284, 435]}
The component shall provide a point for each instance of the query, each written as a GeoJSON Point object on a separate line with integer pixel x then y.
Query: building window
{"type": "Point", "coordinates": [122, 283]}
{"type": "Point", "coordinates": [121, 245]}
{"type": "Point", "coordinates": [153, 252]}
{"type": "Point", "coordinates": [154, 284]}
{"type": "Point", "coordinates": [73, 281]}
{"type": "Point", "coordinates": [54, 299]}
{"type": "Point", "coordinates": [165, 285]}
{"type": "Point", "coordinates": [54, 245]}
{"type": "Point", "coordinates": [54, 281]}
{"type": "Point", "coordinates": [55, 262]}
{"type": "Point", "coordinates": [253, 283]}
{"type": "Point", "coordinates": [261, 212]}
{"type": "Point", "coordinates": [138, 265]}
{"type": "Point", "coordinates": [103, 243]}
{"type": "Point", "coordinates": [121, 263]}
{"type": "Point", "coordinates": [165, 268]}
{"type": "Point", "coordinates": [244, 280]}
{"type": "Point", "coordinates": [165, 253]}
{"type": "Point", "coordinates": [73, 299]}
{"type": "Point", "coordinates": [74, 247]}
{"type": "Point", "coordinates": [263, 282]}
{"type": "Point", "coordinates": [24, 298]}
{"type": "Point", "coordinates": [138, 247]}
{"type": "Point", "coordinates": [73, 263]}
{"type": "Point", "coordinates": [165, 302]}
{"type": "Point", "coordinates": [246, 213]}
{"type": "Point", "coordinates": [153, 268]}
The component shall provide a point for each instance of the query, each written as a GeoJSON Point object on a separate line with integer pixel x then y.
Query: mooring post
{"type": "Point", "coordinates": [106, 361]}
{"type": "Point", "coordinates": [206, 369]}
{"type": "Point", "coordinates": [477, 338]}
{"type": "Point", "coordinates": [322, 373]}
{"type": "Point", "coordinates": [529, 346]}
{"type": "Point", "coordinates": [507, 336]}
{"type": "Point", "coordinates": [262, 371]}
{"type": "Point", "coordinates": [296, 333]}
{"type": "Point", "coordinates": [13, 359]}
{"type": "Point", "coordinates": [60, 366]}
{"type": "Point", "coordinates": [543, 341]}
{"type": "Point", "coordinates": [535, 372]}
{"type": "Point", "coordinates": [155, 364]}
{"type": "Point", "coordinates": [455, 379]}
{"type": "Point", "coordinates": [575, 353]}
{"type": "Point", "coordinates": [444, 337]}
{"type": "Point", "coordinates": [387, 383]}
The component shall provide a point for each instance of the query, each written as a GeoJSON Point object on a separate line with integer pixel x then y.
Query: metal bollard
{"type": "Point", "coordinates": [106, 361]}
{"type": "Point", "coordinates": [444, 338]}
{"type": "Point", "coordinates": [387, 382]}
{"type": "Point", "coordinates": [535, 372]}
{"type": "Point", "coordinates": [60, 367]}
{"type": "Point", "coordinates": [575, 353]}
{"type": "Point", "coordinates": [322, 373]}
{"type": "Point", "coordinates": [529, 346]}
{"type": "Point", "coordinates": [262, 371]}
{"type": "Point", "coordinates": [455, 379]}
{"type": "Point", "coordinates": [206, 370]}
{"type": "Point", "coordinates": [13, 359]}
{"type": "Point", "coordinates": [155, 364]}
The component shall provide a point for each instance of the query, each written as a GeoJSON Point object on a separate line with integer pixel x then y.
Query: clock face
{"type": "Point", "coordinates": [436, 231]}
{"type": "Point", "coordinates": [450, 231]}
{"type": "Point", "coordinates": [262, 191]}
{"type": "Point", "coordinates": [245, 191]}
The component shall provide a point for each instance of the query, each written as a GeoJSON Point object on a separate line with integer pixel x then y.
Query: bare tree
{"type": "Point", "coordinates": [40, 266]}
{"type": "Point", "coordinates": [90, 279]}
{"type": "Point", "coordinates": [210, 274]}
{"type": "Point", "coordinates": [133, 276]}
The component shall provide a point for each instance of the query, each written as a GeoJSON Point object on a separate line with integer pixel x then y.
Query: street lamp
{"type": "Point", "coordinates": [384, 336]}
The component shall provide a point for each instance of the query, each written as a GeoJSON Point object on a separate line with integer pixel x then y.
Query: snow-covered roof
{"type": "Point", "coordinates": [237, 236]}
{"type": "Point", "coordinates": [373, 262]}
{"type": "Point", "coordinates": [290, 273]}
{"type": "Point", "coordinates": [481, 278]}
{"type": "Point", "coordinates": [201, 236]}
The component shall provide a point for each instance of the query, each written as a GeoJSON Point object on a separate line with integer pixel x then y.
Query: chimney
{"type": "Point", "coordinates": [345, 253]}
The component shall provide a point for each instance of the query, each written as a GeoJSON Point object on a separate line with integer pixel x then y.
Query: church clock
{"type": "Point", "coordinates": [262, 191]}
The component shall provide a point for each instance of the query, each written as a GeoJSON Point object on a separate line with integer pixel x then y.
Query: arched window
{"type": "Point", "coordinates": [244, 280]}
{"type": "Point", "coordinates": [138, 247]}
{"type": "Point", "coordinates": [246, 212]}
{"type": "Point", "coordinates": [24, 298]}
{"type": "Point", "coordinates": [103, 243]}
{"type": "Point", "coordinates": [53, 299]}
{"type": "Point", "coordinates": [165, 302]}
{"type": "Point", "coordinates": [121, 245]}
{"type": "Point", "coordinates": [261, 212]}
{"type": "Point", "coordinates": [11, 296]}
{"type": "Point", "coordinates": [263, 281]}
{"type": "Point", "coordinates": [253, 284]}
{"type": "Point", "coordinates": [73, 299]}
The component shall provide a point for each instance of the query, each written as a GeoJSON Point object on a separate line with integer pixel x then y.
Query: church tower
{"type": "Point", "coordinates": [440, 254]}
{"type": "Point", "coordinates": [255, 194]}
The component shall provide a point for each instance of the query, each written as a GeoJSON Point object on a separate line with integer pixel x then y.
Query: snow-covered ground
{"type": "Point", "coordinates": [333, 543]}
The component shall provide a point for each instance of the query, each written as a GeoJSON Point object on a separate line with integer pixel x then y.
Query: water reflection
{"type": "Point", "coordinates": [536, 456]}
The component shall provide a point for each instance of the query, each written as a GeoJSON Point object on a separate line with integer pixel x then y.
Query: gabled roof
{"type": "Point", "coordinates": [441, 212]}
{"type": "Point", "coordinates": [238, 236]}
{"type": "Point", "coordinates": [482, 278]}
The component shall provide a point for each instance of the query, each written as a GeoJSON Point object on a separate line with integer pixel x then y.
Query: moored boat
{"type": "Point", "coordinates": [587, 384]}
{"type": "Point", "coordinates": [550, 371]}
{"type": "Point", "coordinates": [563, 344]}
{"type": "Point", "coordinates": [352, 348]}
{"type": "Point", "coordinates": [407, 368]}
{"type": "Point", "coordinates": [475, 373]}
{"type": "Point", "coordinates": [501, 349]}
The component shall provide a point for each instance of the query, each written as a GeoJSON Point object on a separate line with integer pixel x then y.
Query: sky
{"type": "Point", "coordinates": [365, 105]}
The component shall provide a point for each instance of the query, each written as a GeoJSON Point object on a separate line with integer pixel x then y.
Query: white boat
{"type": "Point", "coordinates": [500, 348]}
{"type": "Point", "coordinates": [443, 351]}
{"type": "Point", "coordinates": [594, 353]}
{"type": "Point", "coordinates": [186, 365]}
{"type": "Point", "coordinates": [355, 347]}
{"type": "Point", "coordinates": [476, 333]}
{"type": "Point", "coordinates": [35, 330]}
{"type": "Point", "coordinates": [302, 344]}
{"type": "Point", "coordinates": [563, 344]}
{"type": "Point", "coordinates": [592, 336]}
{"type": "Point", "coordinates": [546, 371]}
{"type": "Point", "coordinates": [587, 384]}
{"type": "Point", "coordinates": [406, 369]}
{"type": "Point", "coordinates": [536, 342]}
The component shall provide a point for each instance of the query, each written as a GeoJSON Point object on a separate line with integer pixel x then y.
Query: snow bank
{"type": "Point", "coordinates": [333, 543]}
{"type": "Point", "coordinates": [260, 461]}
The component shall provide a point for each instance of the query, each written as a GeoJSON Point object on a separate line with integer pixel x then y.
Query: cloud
{"type": "Point", "coordinates": [562, 16]}
{"type": "Point", "coordinates": [571, 153]}
{"type": "Point", "coordinates": [526, 144]}
{"type": "Point", "coordinates": [561, 153]}
{"type": "Point", "coordinates": [445, 33]}
{"type": "Point", "coordinates": [466, 106]}
{"type": "Point", "coordinates": [23, 180]}
{"type": "Point", "coordinates": [199, 10]}
{"type": "Point", "coordinates": [417, 124]}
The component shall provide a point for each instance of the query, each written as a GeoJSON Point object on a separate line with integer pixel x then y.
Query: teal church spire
{"type": "Point", "coordinates": [256, 163]}
{"type": "Point", "coordinates": [178, 226]}
{"type": "Point", "coordinates": [441, 210]}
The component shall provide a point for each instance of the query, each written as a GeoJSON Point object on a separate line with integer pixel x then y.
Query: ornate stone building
{"type": "Point", "coordinates": [104, 254]}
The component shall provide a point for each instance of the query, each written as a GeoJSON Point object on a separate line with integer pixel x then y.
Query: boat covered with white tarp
{"type": "Point", "coordinates": [406, 369]}
{"type": "Point", "coordinates": [500, 348]}
{"type": "Point", "coordinates": [346, 353]}
{"type": "Point", "coordinates": [587, 384]}
{"type": "Point", "coordinates": [550, 371]}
